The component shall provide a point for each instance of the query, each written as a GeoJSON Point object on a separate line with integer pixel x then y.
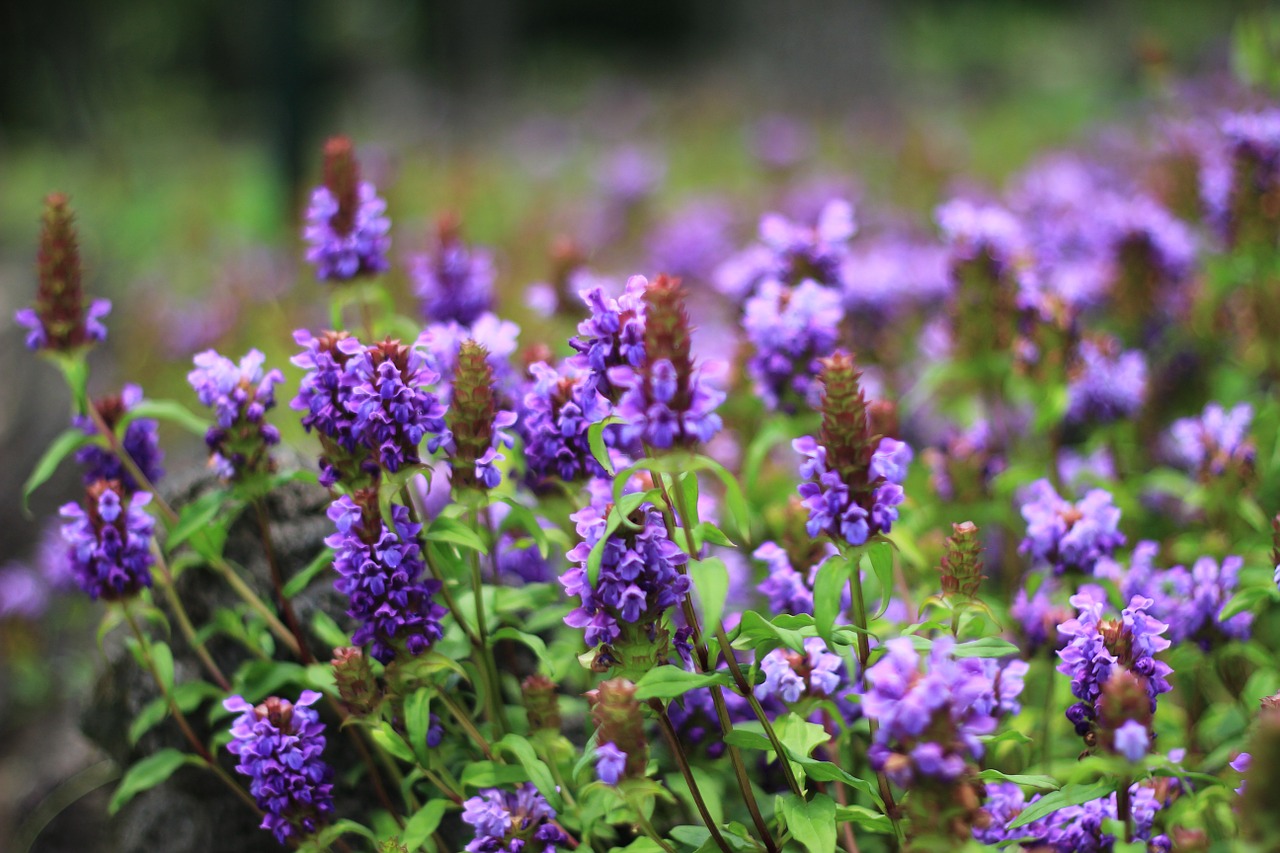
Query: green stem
{"type": "Point", "coordinates": [1124, 808]}
{"type": "Point", "coordinates": [184, 620]}
{"type": "Point", "coordinates": [277, 582]}
{"type": "Point", "coordinates": [486, 662]}
{"type": "Point", "coordinates": [682, 761]}
{"type": "Point", "coordinates": [468, 726]}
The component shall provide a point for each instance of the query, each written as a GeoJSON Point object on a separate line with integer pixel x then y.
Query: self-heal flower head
{"type": "Point", "coordinates": [787, 589]}
{"type": "Point", "coordinates": [1097, 648]}
{"type": "Point", "coordinates": [519, 821]}
{"type": "Point", "coordinates": [930, 719]}
{"type": "Point", "coordinates": [108, 541]}
{"type": "Point", "coordinates": [440, 344]}
{"type": "Point", "coordinates": [853, 479]}
{"type": "Point", "coordinates": [141, 441]}
{"type": "Point", "coordinates": [559, 407]}
{"type": "Point", "coordinates": [790, 252]}
{"type": "Point", "coordinates": [613, 336]}
{"type": "Point", "coordinates": [60, 320]}
{"type": "Point", "coordinates": [1105, 382]}
{"type": "Point", "coordinates": [453, 280]}
{"type": "Point", "coordinates": [477, 429]}
{"type": "Point", "coordinates": [347, 230]}
{"type": "Point", "coordinates": [394, 409]}
{"type": "Point", "coordinates": [623, 752]}
{"type": "Point", "coordinates": [791, 676]}
{"type": "Point", "coordinates": [790, 328]}
{"type": "Point", "coordinates": [1244, 196]}
{"type": "Point", "coordinates": [1192, 601]}
{"type": "Point", "coordinates": [324, 396]}
{"type": "Point", "coordinates": [280, 745]}
{"type": "Point", "coordinates": [989, 268]}
{"type": "Point", "coordinates": [381, 573]}
{"type": "Point", "coordinates": [668, 403]}
{"type": "Point", "coordinates": [1069, 536]}
{"type": "Point", "coordinates": [639, 577]}
{"type": "Point", "coordinates": [240, 396]}
{"type": "Point", "coordinates": [1213, 444]}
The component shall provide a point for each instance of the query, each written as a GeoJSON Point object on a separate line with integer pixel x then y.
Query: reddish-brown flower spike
{"type": "Point", "coordinates": [356, 683]}
{"type": "Point", "coordinates": [618, 721]}
{"type": "Point", "coordinates": [342, 178]}
{"type": "Point", "coordinates": [667, 334]}
{"type": "Point", "coordinates": [541, 702]}
{"type": "Point", "coordinates": [471, 413]}
{"type": "Point", "coordinates": [962, 561]}
{"type": "Point", "coordinates": [846, 426]}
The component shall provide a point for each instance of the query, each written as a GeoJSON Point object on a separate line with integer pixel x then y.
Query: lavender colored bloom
{"type": "Point", "coordinates": [1005, 801]}
{"type": "Point", "coordinates": [1214, 442]}
{"type": "Point", "coordinates": [1039, 616]}
{"type": "Point", "coordinates": [1132, 740]}
{"type": "Point", "coordinates": [630, 174]}
{"type": "Point", "coordinates": [342, 254]}
{"type": "Point", "coordinates": [281, 749]}
{"type": "Point", "coordinates": [95, 331]}
{"type": "Point", "coordinates": [392, 408]}
{"type": "Point", "coordinates": [1106, 383]}
{"type": "Point", "coordinates": [1070, 829]}
{"type": "Point", "coordinates": [791, 676]}
{"type": "Point", "coordinates": [381, 574]}
{"type": "Point", "coordinates": [832, 508]}
{"type": "Point", "coordinates": [559, 408]}
{"type": "Point", "coordinates": [440, 344]}
{"type": "Point", "coordinates": [974, 230]}
{"type": "Point", "coordinates": [788, 590]}
{"type": "Point", "coordinates": [141, 441]}
{"type": "Point", "coordinates": [24, 592]}
{"type": "Point", "coordinates": [613, 336]}
{"type": "Point", "coordinates": [930, 720]}
{"type": "Point", "coordinates": [453, 280]}
{"type": "Point", "coordinates": [638, 577]}
{"type": "Point", "coordinates": [663, 411]}
{"type": "Point", "coordinates": [512, 822]}
{"type": "Point", "coordinates": [1193, 601]}
{"type": "Point", "coordinates": [109, 541]}
{"type": "Point", "coordinates": [884, 278]}
{"type": "Point", "coordinates": [789, 252]}
{"type": "Point", "coordinates": [610, 763]}
{"type": "Point", "coordinates": [693, 240]}
{"type": "Point", "coordinates": [1241, 764]}
{"type": "Point", "coordinates": [240, 396]}
{"type": "Point", "coordinates": [1096, 647]}
{"type": "Point", "coordinates": [1069, 536]}
{"type": "Point", "coordinates": [790, 328]}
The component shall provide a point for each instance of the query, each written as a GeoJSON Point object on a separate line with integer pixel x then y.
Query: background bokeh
{"type": "Point", "coordinates": [188, 132]}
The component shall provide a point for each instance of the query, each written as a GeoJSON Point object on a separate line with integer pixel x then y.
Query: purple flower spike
{"type": "Point", "coordinates": [453, 280]}
{"type": "Point", "coordinates": [109, 541]}
{"type": "Point", "coordinates": [517, 821]}
{"type": "Point", "coordinates": [347, 227]}
{"type": "Point", "coordinates": [790, 328]}
{"type": "Point", "coordinates": [141, 442]}
{"type": "Point", "coordinates": [281, 749]}
{"type": "Point", "coordinates": [1069, 536]}
{"type": "Point", "coordinates": [240, 396]}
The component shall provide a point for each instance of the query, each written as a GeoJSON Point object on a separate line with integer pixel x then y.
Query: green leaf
{"type": "Point", "coordinates": [711, 586]}
{"type": "Point", "coordinates": [146, 774]}
{"type": "Point", "coordinates": [391, 743]}
{"type": "Point", "coordinates": [828, 589]}
{"type": "Point", "coordinates": [165, 410]}
{"type": "Point", "coordinates": [880, 554]}
{"type": "Point", "coordinates": [328, 630]}
{"type": "Point", "coordinates": [871, 821]}
{"type": "Point", "coordinates": [1068, 795]}
{"type": "Point", "coordinates": [706, 532]}
{"type": "Point", "coordinates": [162, 657]}
{"type": "Point", "coordinates": [148, 718]}
{"type": "Point", "coordinates": [197, 517]}
{"type": "Point", "coordinates": [539, 773]}
{"type": "Point", "coordinates": [595, 440]}
{"type": "Point", "coordinates": [487, 774]}
{"type": "Point", "coordinates": [533, 641]}
{"type": "Point", "coordinates": [425, 820]}
{"type": "Point", "coordinates": [455, 532]}
{"type": "Point", "coordinates": [755, 631]}
{"type": "Point", "coordinates": [699, 836]}
{"type": "Point", "coordinates": [1042, 783]}
{"type": "Point", "coordinates": [63, 446]}
{"type": "Point", "coordinates": [1247, 600]}
{"type": "Point", "coordinates": [668, 682]}
{"type": "Point", "coordinates": [812, 823]}
{"type": "Point", "coordinates": [417, 719]}
{"type": "Point", "coordinates": [261, 678]}
{"type": "Point", "coordinates": [303, 579]}
{"type": "Point", "coordinates": [986, 647]}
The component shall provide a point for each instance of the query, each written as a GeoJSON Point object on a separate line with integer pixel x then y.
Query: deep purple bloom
{"type": "Point", "coordinates": [240, 396]}
{"type": "Point", "coordinates": [559, 408]}
{"type": "Point", "coordinates": [694, 717]}
{"type": "Point", "coordinates": [788, 590]}
{"type": "Point", "coordinates": [638, 579]}
{"type": "Point", "coordinates": [610, 763]}
{"type": "Point", "coordinates": [347, 228]}
{"type": "Point", "coordinates": [281, 749]}
{"type": "Point", "coordinates": [1106, 383]}
{"type": "Point", "coordinates": [1213, 443]}
{"type": "Point", "coordinates": [1073, 829]}
{"type": "Point", "coordinates": [790, 328]}
{"type": "Point", "coordinates": [791, 676]}
{"type": "Point", "coordinates": [613, 336]}
{"type": "Point", "coordinates": [512, 822]}
{"type": "Point", "coordinates": [381, 574]}
{"type": "Point", "coordinates": [141, 441]}
{"type": "Point", "coordinates": [453, 280]}
{"type": "Point", "coordinates": [691, 241]}
{"type": "Point", "coordinates": [1069, 536]}
{"type": "Point", "coordinates": [394, 412]}
{"type": "Point", "coordinates": [884, 278]}
{"type": "Point", "coordinates": [832, 509]}
{"type": "Point", "coordinates": [109, 541]}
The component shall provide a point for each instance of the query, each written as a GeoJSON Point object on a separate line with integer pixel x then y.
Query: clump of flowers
{"type": "Point", "coordinates": [1069, 536]}
{"type": "Point", "coordinates": [1070, 829]}
{"type": "Point", "coordinates": [108, 541]}
{"type": "Point", "coordinates": [789, 329]}
{"type": "Point", "coordinates": [476, 427]}
{"type": "Point", "coordinates": [141, 442]}
{"type": "Point", "coordinates": [1215, 443]}
{"type": "Point", "coordinates": [621, 750]}
{"type": "Point", "coordinates": [1097, 649]}
{"type": "Point", "coordinates": [559, 408]}
{"type": "Point", "coordinates": [853, 479]}
{"type": "Point", "coordinates": [280, 745]}
{"type": "Point", "coordinates": [613, 336]}
{"type": "Point", "coordinates": [347, 230]}
{"type": "Point", "coordinates": [790, 252]}
{"type": "Point", "coordinates": [667, 402]}
{"type": "Point", "coordinates": [381, 570]}
{"type": "Point", "coordinates": [453, 280]}
{"type": "Point", "coordinates": [240, 396]}
{"type": "Point", "coordinates": [639, 580]}
{"type": "Point", "coordinates": [1106, 383]}
{"type": "Point", "coordinates": [517, 821]}
{"type": "Point", "coordinates": [787, 589]}
{"type": "Point", "coordinates": [60, 320]}
{"type": "Point", "coordinates": [791, 676]}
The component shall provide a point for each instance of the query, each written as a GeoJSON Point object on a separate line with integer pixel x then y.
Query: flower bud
{"type": "Point", "coordinates": [962, 562]}
{"type": "Point", "coordinates": [342, 179]}
{"type": "Point", "coordinates": [356, 683]}
{"type": "Point", "coordinates": [541, 702]}
{"type": "Point", "coordinates": [474, 421]}
{"type": "Point", "coordinates": [618, 722]}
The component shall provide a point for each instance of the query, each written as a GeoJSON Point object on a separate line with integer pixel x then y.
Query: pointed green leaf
{"type": "Point", "coordinates": [146, 774]}
{"type": "Point", "coordinates": [63, 446]}
{"type": "Point", "coordinates": [812, 823]}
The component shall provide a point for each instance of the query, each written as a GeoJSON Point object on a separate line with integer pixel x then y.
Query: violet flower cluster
{"type": "Point", "coordinates": [347, 230]}
{"type": "Point", "coordinates": [613, 336]}
{"type": "Point", "coordinates": [790, 252]}
{"type": "Point", "coordinates": [1106, 384]}
{"type": "Point", "coordinates": [639, 576]}
{"type": "Point", "coordinates": [832, 508]}
{"type": "Point", "coordinates": [381, 572]}
{"type": "Point", "coordinates": [519, 821]}
{"type": "Point", "coordinates": [108, 541]}
{"type": "Point", "coordinates": [280, 745]}
{"type": "Point", "coordinates": [141, 442]}
{"type": "Point", "coordinates": [791, 676]}
{"type": "Point", "coordinates": [1069, 536]}
{"type": "Point", "coordinates": [1070, 829]}
{"type": "Point", "coordinates": [790, 329]}
{"type": "Point", "coordinates": [1213, 443]}
{"type": "Point", "coordinates": [240, 396]}
{"type": "Point", "coordinates": [559, 407]}
{"type": "Point", "coordinates": [454, 281]}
